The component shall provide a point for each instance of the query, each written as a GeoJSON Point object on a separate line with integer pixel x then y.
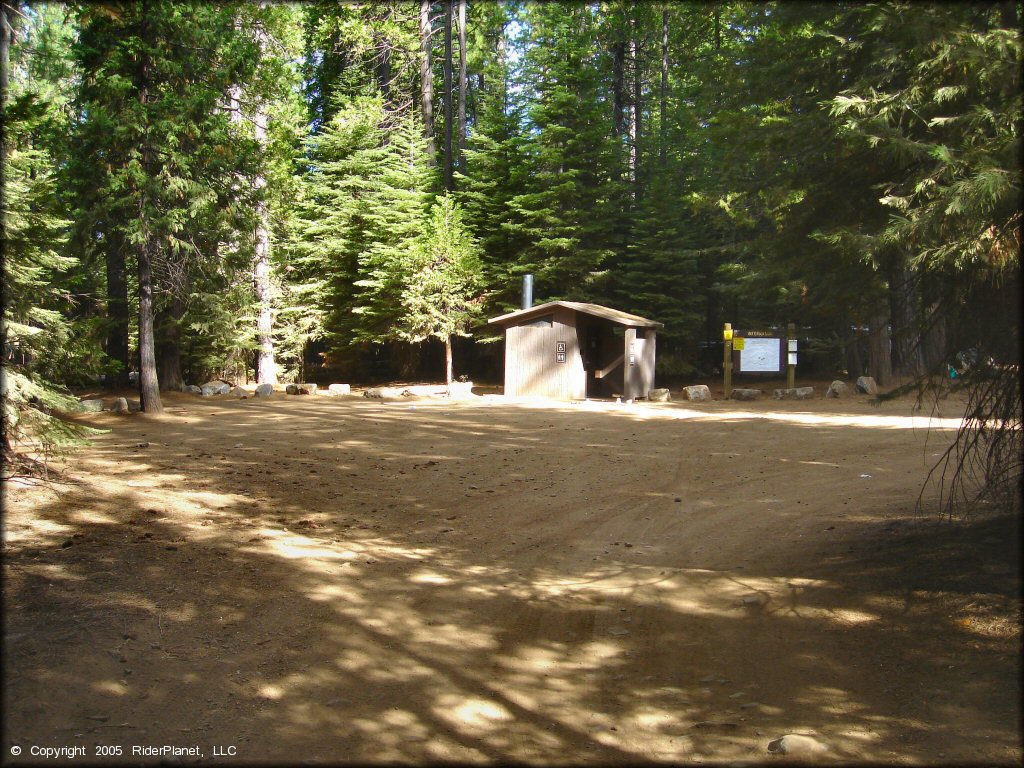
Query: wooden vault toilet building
{"type": "Point", "coordinates": [568, 350]}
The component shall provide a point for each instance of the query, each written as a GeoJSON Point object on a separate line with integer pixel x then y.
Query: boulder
{"type": "Point", "coordinates": [134, 406]}
{"type": "Point", "coordinates": [214, 388]}
{"type": "Point", "coordinates": [659, 396]}
{"type": "Point", "coordinates": [192, 389]}
{"type": "Point", "coordinates": [698, 392]}
{"type": "Point", "coordinates": [797, 393]}
{"type": "Point", "coordinates": [836, 389]}
{"type": "Point", "coordinates": [120, 405]}
{"type": "Point", "coordinates": [379, 393]}
{"type": "Point", "coordinates": [460, 390]}
{"type": "Point", "coordinates": [797, 745]}
{"type": "Point", "coordinates": [866, 385]}
{"type": "Point", "coordinates": [308, 389]}
{"type": "Point", "coordinates": [339, 389]}
{"type": "Point", "coordinates": [133, 378]}
{"type": "Point", "coordinates": [293, 389]}
{"type": "Point", "coordinates": [746, 394]}
{"type": "Point", "coordinates": [240, 393]}
{"type": "Point", "coordinates": [264, 390]}
{"type": "Point", "coordinates": [91, 406]}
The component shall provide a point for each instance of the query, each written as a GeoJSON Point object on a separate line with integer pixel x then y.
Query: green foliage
{"type": "Point", "coordinates": [440, 297]}
{"type": "Point", "coordinates": [44, 342]}
{"type": "Point", "coordinates": [945, 108]}
{"type": "Point", "coordinates": [494, 173]}
{"type": "Point", "coordinates": [353, 44]}
{"type": "Point", "coordinates": [843, 166]}
{"type": "Point", "coordinates": [365, 201]}
{"type": "Point", "coordinates": [567, 212]}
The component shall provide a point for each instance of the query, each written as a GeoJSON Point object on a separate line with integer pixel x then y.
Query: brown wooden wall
{"type": "Point", "coordinates": [639, 374]}
{"type": "Point", "coordinates": [530, 365]}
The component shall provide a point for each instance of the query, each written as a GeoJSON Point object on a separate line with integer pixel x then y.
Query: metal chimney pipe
{"type": "Point", "coordinates": [527, 291]}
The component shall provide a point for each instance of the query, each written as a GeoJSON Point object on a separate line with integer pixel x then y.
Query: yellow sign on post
{"type": "Point", "coordinates": [738, 344]}
{"type": "Point", "coordinates": [727, 359]}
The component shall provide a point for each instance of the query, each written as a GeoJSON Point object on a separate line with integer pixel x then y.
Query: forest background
{"type": "Point", "coordinates": [340, 191]}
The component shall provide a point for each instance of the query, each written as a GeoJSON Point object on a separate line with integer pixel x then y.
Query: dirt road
{"type": "Point", "coordinates": [336, 579]}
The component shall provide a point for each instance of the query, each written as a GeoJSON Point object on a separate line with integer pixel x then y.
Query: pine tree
{"type": "Point", "coordinates": [365, 203]}
{"type": "Point", "coordinates": [567, 213]}
{"type": "Point", "coordinates": [440, 298]}
{"type": "Point", "coordinates": [494, 170]}
{"type": "Point", "coordinates": [154, 80]}
{"type": "Point", "coordinates": [41, 341]}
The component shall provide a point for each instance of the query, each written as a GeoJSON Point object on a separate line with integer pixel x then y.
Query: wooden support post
{"type": "Point", "coordinates": [790, 357]}
{"type": "Point", "coordinates": [727, 359]}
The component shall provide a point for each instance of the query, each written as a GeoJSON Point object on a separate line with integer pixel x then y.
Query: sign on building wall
{"type": "Point", "coordinates": [559, 351]}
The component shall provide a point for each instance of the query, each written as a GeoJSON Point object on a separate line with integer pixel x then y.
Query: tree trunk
{"type": "Point", "coordinates": [504, 70]}
{"type": "Point", "coordinates": [906, 328]}
{"type": "Point", "coordinates": [169, 349]}
{"type": "Point", "coordinates": [407, 357]}
{"type": "Point", "coordinates": [448, 361]}
{"type": "Point", "coordinates": [618, 87]}
{"type": "Point", "coordinates": [267, 371]}
{"type": "Point", "coordinates": [636, 126]}
{"type": "Point", "coordinates": [149, 385]}
{"type": "Point", "coordinates": [427, 79]}
{"type": "Point", "coordinates": [879, 350]}
{"type": "Point", "coordinates": [851, 350]}
{"type": "Point", "coordinates": [663, 154]}
{"type": "Point", "coordinates": [117, 306]}
{"type": "Point", "coordinates": [384, 67]}
{"type": "Point", "coordinates": [449, 116]}
{"type": "Point", "coordinates": [462, 84]}
{"type": "Point", "coordinates": [6, 33]}
{"type": "Point", "coordinates": [1008, 16]}
{"type": "Point", "coordinates": [267, 368]}
{"type": "Point", "coordinates": [935, 352]}
{"type": "Point", "coordinates": [718, 27]}
{"type": "Point", "coordinates": [6, 39]}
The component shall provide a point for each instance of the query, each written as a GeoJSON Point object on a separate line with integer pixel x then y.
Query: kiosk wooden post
{"type": "Point", "coordinates": [727, 359]}
{"type": "Point", "coordinates": [791, 356]}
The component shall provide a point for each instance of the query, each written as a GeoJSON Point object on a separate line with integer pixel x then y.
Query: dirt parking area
{"type": "Point", "coordinates": [338, 579]}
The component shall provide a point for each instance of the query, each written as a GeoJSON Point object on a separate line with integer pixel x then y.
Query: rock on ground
{"type": "Point", "coordinates": [120, 405]}
{"type": "Point", "coordinates": [460, 390]}
{"type": "Point", "coordinates": [214, 388]}
{"type": "Point", "coordinates": [264, 390]}
{"type": "Point", "coordinates": [796, 393]}
{"type": "Point", "coordinates": [797, 745]}
{"type": "Point", "coordinates": [380, 393]}
{"type": "Point", "coordinates": [836, 389]}
{"type": "Point", "coordinates": [240, 393]}
{"type": "Point", "coordinates": [699, 392]}
{"type": "Point", "coordinates": [339, 389]}
{"type": "Point", "coordinates": [866, 385]}
{"type": "Point", "coordinates": [746, 394]}
{"type": "Point", "coordinates": [309, 389]}
{"type": "Point", "coordinates": [192, 389]}
{"type": "Point", "coordinates": [659, 396]}
{"type": "Point", "coordinates": [293, 389]}
{"type": "Point", "coordinates": [91, 406]}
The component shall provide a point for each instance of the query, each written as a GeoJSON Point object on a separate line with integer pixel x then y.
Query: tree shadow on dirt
{"type": "Point", "coordinates": [206, 602]}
